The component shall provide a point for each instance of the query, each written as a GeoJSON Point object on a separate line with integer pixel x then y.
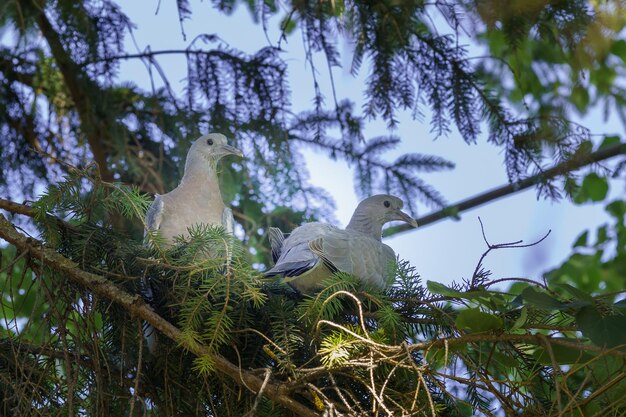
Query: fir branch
{"type": "Point", "coordinates": [17, 208]}
{"type": "Point", "coordinates": [151, 54]}
{"type": "Point", "coordinates": [79, 86]}
{"type": "Point", "coordinates": [277, 392]}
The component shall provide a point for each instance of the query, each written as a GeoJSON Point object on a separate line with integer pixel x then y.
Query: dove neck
{"type": "Point", "coordinates": [201, 176]}
{"type": "Point", "coordinates": [360, 222]}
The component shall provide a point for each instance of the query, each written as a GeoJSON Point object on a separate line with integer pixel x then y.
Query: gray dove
{"type": "Point", "coordinates": [196, 200]}
{"type": "Point", "coordinates": [314, 251]}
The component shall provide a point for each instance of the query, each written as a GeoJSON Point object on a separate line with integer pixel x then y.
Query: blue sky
{"type": "Point", "coordinates": [445, 251]}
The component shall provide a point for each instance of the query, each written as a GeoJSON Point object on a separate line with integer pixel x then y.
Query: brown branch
{"type": "Point", "coordinates": [151, 54]}
{"type": "Point", "coordinates": [277, 392]}
{"type": "Point", "coordinates": [16, 208]}
{"type": "Point", "coordinates": [7, 67]}
{"type": "Point", "coordinates": [505, 190]}
{"type": "Point", "coordinates": [537, 339]}
{"type": "Point", "coordinates": [36, 350]}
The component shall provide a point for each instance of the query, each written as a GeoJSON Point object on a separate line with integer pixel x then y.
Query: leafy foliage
{"type": "Point", "coordinates": [597, 266]}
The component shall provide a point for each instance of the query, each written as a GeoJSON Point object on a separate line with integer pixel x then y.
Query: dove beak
{"type": "Point", "coordinates": [230, 150]}
{"type": "Point", "coordinates": [402, 216]}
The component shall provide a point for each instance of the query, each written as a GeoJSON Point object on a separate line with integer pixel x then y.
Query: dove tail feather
{"type": "Point", "coordinates": [149, 332]}
{"type": "Point", "coordinates": [291, 269]}
{"type": "Point", "coordinates": [277, 239]}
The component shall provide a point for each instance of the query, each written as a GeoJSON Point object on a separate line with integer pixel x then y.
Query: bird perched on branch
{"type": "Point", "coordinates": [314, 251]}
{"type": "Point", "coordinates": [197, 200]}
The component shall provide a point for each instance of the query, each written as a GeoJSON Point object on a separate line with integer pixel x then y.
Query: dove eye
{"type": "Point", "coordinates": [387, 203]}
{"type": "Point", "coordinates": [209, 142]}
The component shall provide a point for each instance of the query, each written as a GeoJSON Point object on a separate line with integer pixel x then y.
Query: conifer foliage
{"type": "Point", "coordinates": [233, 343]}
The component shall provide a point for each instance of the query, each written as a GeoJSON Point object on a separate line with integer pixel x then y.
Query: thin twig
{"type": "Point", "coordinates": [506, 245]}
{"type": "Point", "coordinates": [252, 411]}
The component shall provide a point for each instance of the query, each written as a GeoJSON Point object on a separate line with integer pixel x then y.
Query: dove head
{"type": "Point", "coordinates": [208, 149]}
{"type": "Point", "coordinates": [373, 212]}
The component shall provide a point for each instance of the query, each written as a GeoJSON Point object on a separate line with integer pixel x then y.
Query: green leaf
{"type": "Point", "coordinates": [616, 209]}
{"type": "Point", "coordinates": [575, 292]}
{"type": "Point", "coordinates": [578, 194]}
{"type": "Point", "coordinates": [609, 141]}
{"type": "Point", "coordinates": [602, 330]}
{"type": "Point", "coordinates": [541, 299]}
{"type": "Point", "coordinates": [288, 24]}
{"type": "Point", "coordinates": [580, 98]}
{"type": "Point", "coordinates": [607, 368]}
{"type": "Point", "coordinates": [585, 148]}
{"type": "Point", "coordinates": [595, 187]}
{"type": "Point", "coordinates": [477, 321]}
{"type": "Point", "coordinates": [464, 409]}
{"type": "Point", "coordinates": [619, 49]}
{"type": "Point", "coordinates": [604, 79]}
{"type": "Point", "coordinates": [438, 356]}
{"type": "Point", "coordinates": [498, 43]}
{"type": "Point", "coordinates": [437, 288]}
{"type": "Point", "coordinates": [521, 320]}
{"type": "Point", "coordinates": [563, 355]}
{"type": "Point", "coordinates": [581, 240]}
{"type": "Point", "coordinates": [602, 235]}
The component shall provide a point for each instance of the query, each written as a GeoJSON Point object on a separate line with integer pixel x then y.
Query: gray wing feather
{"type": "Point", "coordinates": [295, 261]}
{"type": "Point", "coordinates": [228, 221]}
{"type": "Point", "coordinates": [154, 216]}
{"type": "Point", "coordinates": [334, 249]}
{"type": "Point", "coordinates": [366, 258]}
{"type": "Point", "coordinates": [277, 239]}
{"type": "Point", "coordinates": [296, 257]}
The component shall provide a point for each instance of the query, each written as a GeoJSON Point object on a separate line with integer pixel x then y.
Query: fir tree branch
{"type": "Point", "coordinates": [277, 392]}
{"type": "Point", "coordinates": [36, 350]}
{"type": "Point", "coordinates": [151, 54]}
{"type": "Point", "coordinates": [80, 87]}
{"type": "Point", "coordinates": [16, 208]}
{"type": "Point", "coordinates": [505, 190]}
{"type": "Point", "coordinates": [7, 67]}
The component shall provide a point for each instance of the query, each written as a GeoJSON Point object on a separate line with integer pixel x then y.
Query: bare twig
{"type": "Point", "coordinates": [507, 245]}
